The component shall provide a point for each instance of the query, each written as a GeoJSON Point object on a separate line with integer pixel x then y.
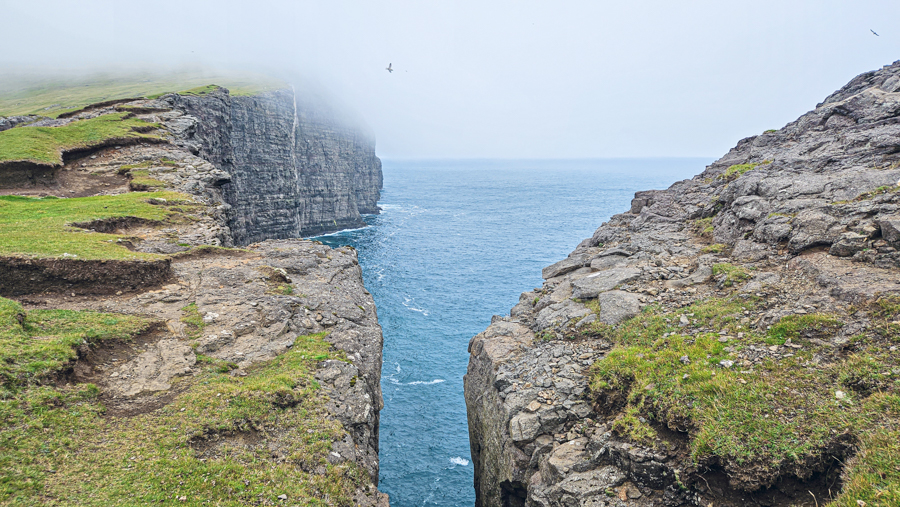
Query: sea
{"type": "Point", "coordinates": [456, 242]}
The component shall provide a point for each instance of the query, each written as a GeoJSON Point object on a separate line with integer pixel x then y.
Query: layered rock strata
{"type": "Point", "coordinates": [807, 213]}
{"type": "Point", "coordinates": [295, 170]}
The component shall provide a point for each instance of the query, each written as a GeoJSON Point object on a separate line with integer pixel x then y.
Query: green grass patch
{"type": "Point", "coordinates": [38, 227]}
{"type": "Point", "coordinates": [148, 164]}
{"type": "Point", "coordinates": [33, 346]}
{"type": "Point", "coordinates": [57, 447]}
{"type": "Point", "coordinates": [193, 321]}
{"type": "Point", "coordinates": [732, 274]}
{"type": "Point", "coordinates": [200, 90]}
{"type": "Point", "coordinates": [793, 326]}
{"type": "Point", "coordinates": [871, 194]}
{"type": "Point", "coordinates": [736, 170]}
{"type": "Point", "coordinates": [46, 144]}
{"type": "Point", "coordinates": [714, 248]}
{"type": "Point", "coordinates": [53, 95]}
{"type": "Point", "coordinates": [703, 227]}
{"type": "Point", "coordinates": [142, 182]}
{"type": "Point", "coordinates": [773, 417]}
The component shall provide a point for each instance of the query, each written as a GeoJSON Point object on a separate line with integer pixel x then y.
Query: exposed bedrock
{"type": "Point", "coordinates": [295, 169]}
{"type": "Point", "coordinates": [803, 220]}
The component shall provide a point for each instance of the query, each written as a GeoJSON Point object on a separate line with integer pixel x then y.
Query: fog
{"type": "Point", "coordinates": [507, 79]}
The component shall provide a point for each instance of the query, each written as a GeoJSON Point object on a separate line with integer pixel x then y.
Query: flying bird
{"type": "Point", "coordinates": [873, 31]}
{"type": "Point", "coordinates": [389, 69]}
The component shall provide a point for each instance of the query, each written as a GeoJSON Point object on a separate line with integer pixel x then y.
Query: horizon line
{"type": "Point", "coordinates": [414, 159]}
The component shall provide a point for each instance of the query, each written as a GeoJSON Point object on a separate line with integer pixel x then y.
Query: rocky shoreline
{"type": "Point", "coordinates": [781, 259]}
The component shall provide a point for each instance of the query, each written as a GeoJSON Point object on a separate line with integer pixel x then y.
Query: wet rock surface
{"type": "Point", "coordinates": [808, 212]}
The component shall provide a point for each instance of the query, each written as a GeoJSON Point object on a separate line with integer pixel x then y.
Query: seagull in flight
{"type": "Point", "coordinates": [873, 31]}
{"type": "Point", "coordinates": [389, 69]}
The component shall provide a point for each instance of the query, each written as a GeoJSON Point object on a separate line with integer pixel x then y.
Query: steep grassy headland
{"type": "Point", "coordinates": [143, 358]}
{"type": "Point", "coordinates": [733, 340]}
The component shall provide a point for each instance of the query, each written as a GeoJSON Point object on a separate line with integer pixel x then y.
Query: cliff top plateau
{"type": "Point", "coordinates": [733, 340]}
{"type": "Point", "coordinates": [165, 339]}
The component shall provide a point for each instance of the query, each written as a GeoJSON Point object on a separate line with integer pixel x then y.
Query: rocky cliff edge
{"type": "Point", "coordinates": [730, 341]}
{"type": "Point", "coordinates": [143, 359]}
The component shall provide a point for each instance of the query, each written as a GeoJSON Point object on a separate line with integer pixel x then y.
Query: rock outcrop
{"type": "Point", "coordinates": [797, 224]}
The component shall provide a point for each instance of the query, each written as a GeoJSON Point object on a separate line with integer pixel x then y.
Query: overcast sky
{"type": "Point", "coordinates": [516, 79]}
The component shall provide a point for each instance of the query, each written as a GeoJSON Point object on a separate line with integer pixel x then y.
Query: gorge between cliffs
{"type": "Point", "coordinates": [168, 337]}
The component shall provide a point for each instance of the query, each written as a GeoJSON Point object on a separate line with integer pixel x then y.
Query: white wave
{"type": "Point", "coordinates": [413, 308]}
{"type": "Point", "coordinates": [396, 382]}
{"type": "Point", "coordinates": [340, 232]}
{"type": "Point", "coordinates": [459, 461]}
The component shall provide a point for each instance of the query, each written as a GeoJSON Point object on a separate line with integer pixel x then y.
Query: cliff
{"type": "Point", "coordinates": [729, 341]}
{"type": "Point", "coordinates": [295, 170]}
{"type": "Point", "coordinates": [141, 358]}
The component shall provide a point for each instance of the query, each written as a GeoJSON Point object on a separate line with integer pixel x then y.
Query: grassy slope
{"type": "Point", "coordinates": [37, 227]}
{"type": "Point", "coordinates": [46, 144]}
{"type": "Point", "coordinates": [775, 418]}
{"type": "Point", "coordinates": [58, 448]}
{"type": "Point", "coordinates": [51, 97]}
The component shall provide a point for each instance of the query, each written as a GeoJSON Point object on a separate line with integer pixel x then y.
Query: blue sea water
{"type": "Point", "coordinates": [456, 243]}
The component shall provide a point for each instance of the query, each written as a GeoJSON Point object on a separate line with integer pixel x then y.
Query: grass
{"type": "Point", "coordinates": [714, 248]}
{"type": "Point", "coordinates": [871, 194]}
{"type": "Point", "coordinates": [46, 144]}
{"type": "Point", "coordinates": [58, 447]}
{"type": "Point", "coordinates": [52, 95]}
{"type": "Point", "coordinates": [193, 321]}
{"type": "Point", "coordinates": [45, 340]}
{"type": "Point", "coordinates": [142, 182]}
{"type": "Point", "coordinates": [736, 170]}
{"type": "Point", "coordinates": [200, 90]}
{"type": "Point", "coordinates": [790, 327]}
{"type": "Point", "coordinates": [38, 227]}
{"type": "Point", "coordinates": [775, 417]}
{"type": "Point", "coordinates": [703, 227]}
{"type": "Point", "coordinates": [732, 274]}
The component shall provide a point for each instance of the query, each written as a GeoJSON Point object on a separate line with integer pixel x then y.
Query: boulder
{"type": "Point", "coordinates": [617, 306]}
{"type": "Point", "coordinates": [602, 281]}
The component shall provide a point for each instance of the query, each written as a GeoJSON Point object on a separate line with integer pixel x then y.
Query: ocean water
{"type": "Point", "coordinates": [456, 243]}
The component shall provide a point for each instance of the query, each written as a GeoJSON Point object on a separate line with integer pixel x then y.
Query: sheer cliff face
{"type": "Point", "coordinates": [296, 171]}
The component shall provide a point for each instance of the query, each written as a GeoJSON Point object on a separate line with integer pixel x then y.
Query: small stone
{"type": "Point", "coordinates": [725, 363]}
{"type": "Point", "coordinates": [282, 497]}
{"type": "Point", "coordinates": [533, 406]}
{"type": "Point", "coordinates": [774, 348]}
{"type": "Point", "coordinates": [685, 359]}
{"type": "Point", "coordinates": [723, 339]}
{"type": "Point", "coordinates": [683, 320]}
{"type": "Point", "coordinates": [840, 395]}
{"type": "Point", "coordinates": [860, 503]}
